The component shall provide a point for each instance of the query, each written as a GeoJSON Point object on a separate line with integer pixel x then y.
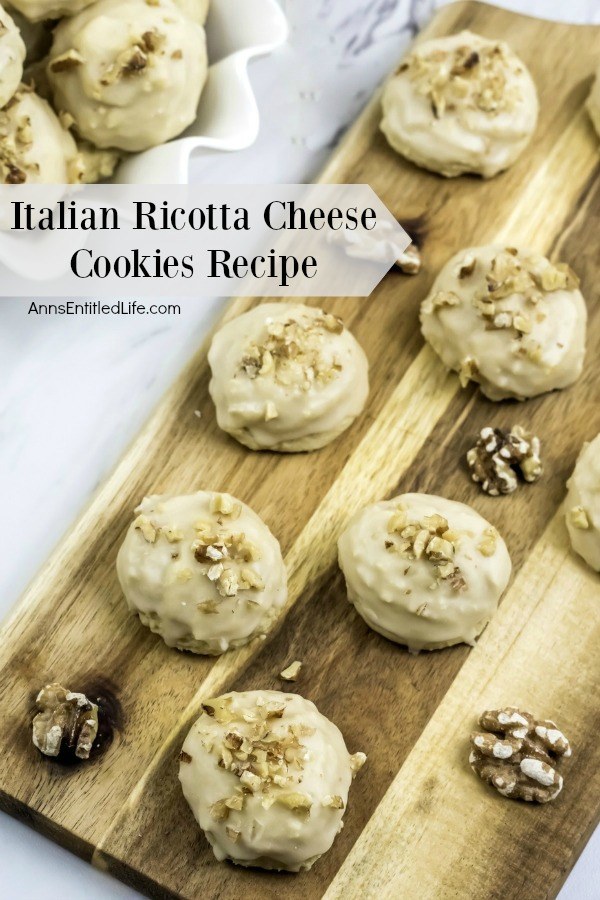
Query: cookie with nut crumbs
{"type": "Point", "coordinates": [287, 377]}
{"type": "Point", "coordinates": [507, 319]}
{"type": "Point", "coordinates": [267, 778]}
{"type": "Point", "coordinates": [424, 571]}
{"type": "Point", "coordinates": [202, 570]}
{"type": "Point", "coordinates": [459, 104]}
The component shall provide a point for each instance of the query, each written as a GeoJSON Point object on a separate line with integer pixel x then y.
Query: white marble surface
{"type": "Point", "coordinates": [74, 391]}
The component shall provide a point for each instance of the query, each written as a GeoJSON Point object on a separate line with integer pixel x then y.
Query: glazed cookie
{"type": "Point", "coordinates": [129, 73]}
{"type": "Point", "coordinates": [202, 570]}
{"type": "Point", "coordinates": [424, 571]}
{"type": "Point", "coordinates": [34, 147]}
{"type": "Point", "coordinates": [12, 57]}
{"type": "Point", "coordinates": [507, 319]}
{"type": "Point", "coordinates": [267, 779]}
{"type": "Point", "coordinates": [593, 103]}
{"type": "Point", "coordinates": [583, 504]}
{"type": "Point", "coordinates": [287, 377]}
{"type": "Point", "coordinates": [460, 104]}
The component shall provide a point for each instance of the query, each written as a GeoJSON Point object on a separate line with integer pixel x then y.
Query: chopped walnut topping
{"type": "Point", "coordinates": [222, 552]}
{"type": "Point", "coordinates": [268, 759]}
{"type": "Point", "coordinates": [517, 754]}
{"type": "Point", "coordinates": [66, 62]}
{"type": "Point", "coordinates": [148, 529]}
{"type": "Point", "coordinates": [185, 757]}
{"type": "Point", "coordinates": [464, 78]}
{"type": "Point", "coordinates": [440, 299]}
{"type": "Point", "coordinates": [357, 761]}
{"type": "Point", "coordinates": [65, 720]}
{"type": "Point", "coordinates": [295, 800]}
{"type": "Point", "coordinates": [16, 139]}
{"type": "Point", "coordinates": [134, 59]}
{"type": "Point", "coordinates": [511, 274]}
{"type": "Point", "coordinates": [466, 267]}
{"type": "Point", "coordinates": [430, 539]}
{"type": "Point", "coordinates": [292, 671]}
{"type": "Point", "coordinates": [499, 456]}
{"type": "Point", "coordinates": [487, 546]}
{"type": "Point", "coordinates": [333, 801]}
{"type": "Point", "coordinates": [468, 371]}
{"type": "Point", "coordinates": [409, 262]}
{"type": "Point", "coordinates": [292, 354]}
{"type": "Point", "coordinates": [579, 518]}
{"type": "Point", "coordinates": [224, 505]}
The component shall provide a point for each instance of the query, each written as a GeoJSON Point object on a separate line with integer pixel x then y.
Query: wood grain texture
{"type": "Point", "coordinates": [418, 823]}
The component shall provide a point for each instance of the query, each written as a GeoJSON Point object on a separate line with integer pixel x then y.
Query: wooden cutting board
{"type": "Point", "coordinates": [419, 824]}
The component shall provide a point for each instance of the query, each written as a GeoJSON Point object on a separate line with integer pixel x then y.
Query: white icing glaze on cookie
{"type": "Point", "coordinates": [34, 147]}
{"type": "Point", "coordinates": [460, 104]}
{"type": "Point", "coordinates": [424, 571]}
{"type": "Point", "coordinates": [130, 74]}
{"type": "Point", "coordinates": [202, 570]}
{"type": "Point", "coordinates": [509, 320]}
{"type": "Point", "coordinates": [287, 377]}
{"type": "Point", "coordinates": [267, 779]}
{"type": "Point", "coordinates": [583, 504]}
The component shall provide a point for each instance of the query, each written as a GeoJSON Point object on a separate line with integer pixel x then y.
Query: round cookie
{"type": "Point", "coordinates": [583, 504]}
{"type": "Point", "coordinates": [460, 104]}
{"type": "Point", "coordinates": [34, 147]}
{"type": "Point", "coordinates": [267, 779]}
{"type": "Point", "coordinates": [287, 377]}
{"type": "Point", "coordinates": [130, 74]}
{"type": "Point", "coordinates": [593, 103]}
{"type": "Point", "coordinates": [12, 57]}
{"type": "Point", "coordinates": [424, 571]}
{"type": "Point", "coordinates": [507, 319]}
{"type": "Point", "coordinates": [202, 570]}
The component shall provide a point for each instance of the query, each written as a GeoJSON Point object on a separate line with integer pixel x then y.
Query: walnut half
{"type": "Point", "coordinates": [499, 456]}
{"type": "Point", "coordinates": [516, 754]}
{"type": "Point", "coordinates": [65, 721]}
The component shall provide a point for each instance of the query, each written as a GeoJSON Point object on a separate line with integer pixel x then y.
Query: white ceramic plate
{"type": "Point", "coordinates": [228, 119]}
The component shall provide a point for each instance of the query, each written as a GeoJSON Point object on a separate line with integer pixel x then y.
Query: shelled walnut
{"type": "Point", "coordinates": [66, 721]}
{"type": "Point", "coordinates": [517, 754]}
{"type": "Point", "coordinates": [409, 262]}
{"type": "Point", "coordinates": [500, 456]}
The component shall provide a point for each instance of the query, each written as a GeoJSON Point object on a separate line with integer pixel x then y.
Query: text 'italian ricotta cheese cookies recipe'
{"type": "Point", "coordinates": [202, 570]}
{"type": "Point", "coordinates": [267, 778]}
{"type": "Point", "coordinates": [424, 571]}
{"type": "Point", "coordinates": [460, 104]}
{"type": "Point", "coordinates": [509, 320]}
{"type": "Point", "coordinates": [287, 377]}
